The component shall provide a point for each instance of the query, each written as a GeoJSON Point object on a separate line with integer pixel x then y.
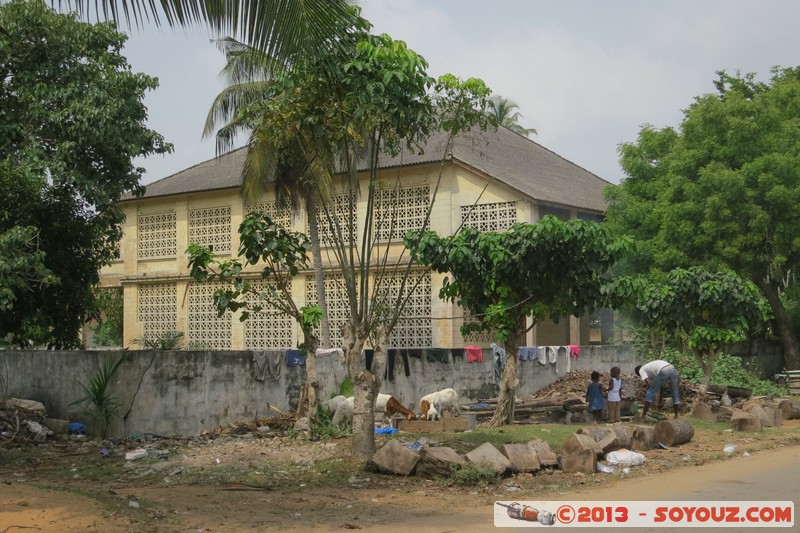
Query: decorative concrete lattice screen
{"type": "Point", "coordinates": [340, 216]}
{"type": "Point", "coordinates": [158, 309]}
{"type": "Point", "coordinates": [206, 329]}
{"type": "Point", "coordinates": [157, 235]}
{"type": "Point", "coordinates": [280, 216]}
{"type": "Point", "coordinates": [211, 227]}
{"type": "Point", "coordinates": [414, 329]}
{"type": "Point", "coordinates": [400, 210]}
{"type": "Point", "coordinates": [476, 337]}
{"type": "Point", "coordinates": [268, 328]}
{"type": "Point", "coordinates": [489, 217]}
{"type": "Point", "coordinates": [336, 298]}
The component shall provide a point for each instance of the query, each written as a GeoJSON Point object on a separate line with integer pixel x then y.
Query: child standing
{"type": "Point", "coordinates": [594, 396]}
{"type": "Point", "coordinates": [614, 399]}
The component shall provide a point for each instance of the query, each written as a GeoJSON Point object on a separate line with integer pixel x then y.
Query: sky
{"type": "Point", "coordinates": [586, 74]}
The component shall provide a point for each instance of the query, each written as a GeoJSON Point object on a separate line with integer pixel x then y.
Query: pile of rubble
{"type": "Point", "coordinates": [25, 421]}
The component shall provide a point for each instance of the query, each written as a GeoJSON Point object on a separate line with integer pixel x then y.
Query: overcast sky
{"type": "Point", "coordinates": [586, 74]}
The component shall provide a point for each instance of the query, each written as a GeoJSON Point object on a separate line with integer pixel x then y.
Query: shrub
{"type": "Point", "coordinates": [471, 475]}
{"type": "Point", "coordinates": [728, 370]}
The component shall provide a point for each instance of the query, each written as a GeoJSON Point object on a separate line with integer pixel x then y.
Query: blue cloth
{"type": "Point", "coordinates": [664, 375]}
{"type": "Point", "coordinates": [77, 427]}
{"type": "Point", "coordinates": [413, 446]}
{"type": "Point", "coordinates": [295, 357]}
{"type": "Point", "coordinates": [594, 394]}
{"type": "Point", "coordinates": [480, 406]}
{"type": "Point", "coordinates": [528, 353]}
{"type": "Point", "coordinates": [499, 362]}
{"type": "Point", "coordinates": [385, 431]}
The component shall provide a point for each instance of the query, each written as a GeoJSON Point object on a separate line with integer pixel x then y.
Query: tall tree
{"type": "Point", "coordinates": [551, 269]}
{"type": "Point", "coordinates": [72, 118]}
{"type": "Point", "coordinates": [705, 310]}
{"type": "Point", "coordinates": [505, 112]}
{"type": "Point", "coordinates": [722, 189]}
{"type": "Point", "coordinates": [369, 97]}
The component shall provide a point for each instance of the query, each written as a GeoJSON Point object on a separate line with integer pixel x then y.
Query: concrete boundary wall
{"type": "Point", "coordinates": [186, 392]}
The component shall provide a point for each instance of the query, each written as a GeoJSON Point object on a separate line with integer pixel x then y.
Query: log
{"type": "Point", "coordinates": [672, 432]}
{"type": "Point", "coordinates": [775, 416]}
{"type": "Point", "coordinates": [644, 438]}
{"type": "Point", "coordinates": [741, 421]}
{"type": "Point", "coordinates": [609, 438]}
{"type": "Point", "coordinates": [756, 409]}
{"type": "Point", "coordinates": [790, 408]}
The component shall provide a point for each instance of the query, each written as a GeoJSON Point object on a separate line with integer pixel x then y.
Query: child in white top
{"type": "Point", "coordinates": [614, 399]}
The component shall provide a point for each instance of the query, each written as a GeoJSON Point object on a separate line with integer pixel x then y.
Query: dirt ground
{"type": "Point", "coordinates": [248, 483]}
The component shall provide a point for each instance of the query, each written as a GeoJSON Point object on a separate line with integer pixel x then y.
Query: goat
{"type": "Point", "coordinates": [433, 414]}
{"type": "Point", "coordinates": [443, 400]}
{"type": "Point", "coordinates": [333, 403]}
{"type": "Point", "coordinates": [393, 406]}
{"type": "Point", "coordinates": [344, 413]}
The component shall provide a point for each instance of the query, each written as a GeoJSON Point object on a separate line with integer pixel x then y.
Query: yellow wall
{"type": "Point", "coordinates": [459, 187]}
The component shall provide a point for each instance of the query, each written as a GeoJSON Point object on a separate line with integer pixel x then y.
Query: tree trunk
{"type": "Point", "coordinates": [504, 412]}
{"type": "Point", "coordinates": [319, 274]}
{"type": "Point", "coordinates": [365, 388]}
{"type": "Point", "coordinates": [310, 343]}
{"type": "Point", "coordinates": [791, 359]}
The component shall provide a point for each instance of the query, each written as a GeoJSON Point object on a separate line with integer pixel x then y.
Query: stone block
{"type": "Point", "coordinates": [544, 453]}
{"type": "Point", "coordinates": [488, 456]}
{"type": "Point", "coordinates": [57, 426]}
{"type": "Point", "coordinates": [522, 456]}
{"type": "Point", "coordinates": [438, 461]}
{"type": "Point", "coordinates": [580, 461]}
{"type": "Point", "coordinates": [703, 411]}
{"type": "Point", "coordinates": [396, 458]}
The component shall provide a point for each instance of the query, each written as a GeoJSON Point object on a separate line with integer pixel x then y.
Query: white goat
{"type": "Point", "coordinates": [441, 401]}
{"type": "Point", "coordinates": [344, 413]}
{"type": "Point", "coordinates": [333, 403]}
{"type": "Point", "coordinates": [433, 414]}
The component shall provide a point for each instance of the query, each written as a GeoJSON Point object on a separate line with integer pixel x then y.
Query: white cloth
{"type": "Point", "coordinates": [331, 351]}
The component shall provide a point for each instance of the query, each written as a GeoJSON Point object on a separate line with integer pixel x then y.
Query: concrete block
{"type": "Point", "coordinates": [57, 426]}
{"type": "Point", "coordinates": [488, 456]}
{"type": "Point", "coordinates": [522, 456]}
{"type": "Point", "coordinates": [438, 461]}
{"type": "Point", "coordinates": [703, 411]}
{"type": "Point", "coordinates": [580, 461]}
{"type": "Point", "coordinates": [396, 458]}
{"type": "Point", "coordinates": [544, 453]}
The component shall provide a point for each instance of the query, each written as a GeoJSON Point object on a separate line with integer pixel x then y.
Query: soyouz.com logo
{"type": "Point", "coordinates": [671, 514]}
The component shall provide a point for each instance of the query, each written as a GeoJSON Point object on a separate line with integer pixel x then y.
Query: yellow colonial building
{"type": "Point", "coordinates": [488, 181]}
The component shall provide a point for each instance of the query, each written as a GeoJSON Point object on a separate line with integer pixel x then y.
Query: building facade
{"type": "Point", "coordinates": [488, 181]}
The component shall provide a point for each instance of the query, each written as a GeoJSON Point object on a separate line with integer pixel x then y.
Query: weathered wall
{"type": "Point", "coordinates": [186, 392]}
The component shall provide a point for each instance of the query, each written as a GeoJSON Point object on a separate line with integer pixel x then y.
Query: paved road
{"type": "Point", "coordinates": [765, 476]}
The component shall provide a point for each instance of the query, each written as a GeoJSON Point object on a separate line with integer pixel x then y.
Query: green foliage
{"type": "Point", "coordinates": [728, 371]}
{"type": "Point", "coordinates": [323, 427]}
{"type": "Point", "coordinates": [108, 328]}
{"type": "Point", "coordinates": [164, 340]}
{"type": "Point", "coordinates": [72, 121]}
{"type": "Point", "coordinates": [550, 269]}
{"type": "Point", "coordinates": [97, 402]}
{"type": "Point", "coordinates": [346, 387]}
{"type": "Point", "coordinates": [472, 475]}
{"type": "Point", "coordinates": [722, 189]}
{"type": "Point", "coordinates": [707, 310]}
{"type": "Point", "coordinates": [505, 112]}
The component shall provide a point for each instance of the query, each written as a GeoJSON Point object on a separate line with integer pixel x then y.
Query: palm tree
{"type": "Point", "coordinates": [296, 173]}
{"type": "Point", "coordinates": [283, 29]}
{"type": "Point", "coordinates": [505, 112]}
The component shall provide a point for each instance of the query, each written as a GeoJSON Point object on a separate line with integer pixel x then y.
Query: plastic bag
{"type": "Point", "coordinates": [605, 468]}
{"type": "Point", "coordinates": [624, 457]}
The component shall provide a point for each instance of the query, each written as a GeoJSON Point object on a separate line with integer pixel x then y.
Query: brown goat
{"type": "Point", "coordinates": [393, 406]}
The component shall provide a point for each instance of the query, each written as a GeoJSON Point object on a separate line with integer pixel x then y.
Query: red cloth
{"type": "Point", "coordinates": [574, 351]}
{"type": "Point", "coordinates": [474, 354]}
